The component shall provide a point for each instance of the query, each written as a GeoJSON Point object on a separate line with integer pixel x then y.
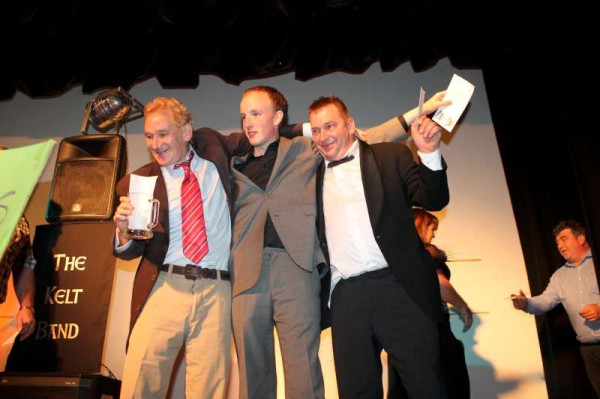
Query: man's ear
{"type": "Point", "coordinates": [350, 124]}
{"type": "Point", "coordinates": [581, 239]}
{"type": "Point", "coordinates": [278, 117]}
{"type": "Point", "coordinates": [187, 131]}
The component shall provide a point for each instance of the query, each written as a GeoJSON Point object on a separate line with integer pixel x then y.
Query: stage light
{"type": "Point", "coordinates": [113, 107]}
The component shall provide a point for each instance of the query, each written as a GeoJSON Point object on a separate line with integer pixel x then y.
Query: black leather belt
{"type": "Point", "coordinates": [193, 272]}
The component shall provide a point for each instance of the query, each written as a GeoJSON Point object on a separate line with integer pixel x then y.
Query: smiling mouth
{"type": "Point", "coordinates": [325, 147]}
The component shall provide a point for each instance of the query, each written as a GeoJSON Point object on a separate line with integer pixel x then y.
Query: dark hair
{"type": "Point", "coordinates": [276, 97]}
{"type": "Point", "coordinates": [324, 101]}
{"type": "Point", "coordinates": [576, 227]}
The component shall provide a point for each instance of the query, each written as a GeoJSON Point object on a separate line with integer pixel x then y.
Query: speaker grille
{"type": "Point", "coordinates": [86, 172]}
{"type": "Point", "coordinates": [83, 190]}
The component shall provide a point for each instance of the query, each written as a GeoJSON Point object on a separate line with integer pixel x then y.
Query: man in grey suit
{"type": "Point", "coordinates": [276, 250]}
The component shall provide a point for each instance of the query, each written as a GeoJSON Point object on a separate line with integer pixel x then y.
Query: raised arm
{"type": "Point", "coordinates": [393, 131]}
{"type": "Point", "coordinates": [295, 130]}
{"type": "Point", "coordinates": [396, 129]}
{"type": "Point", "coordinates": [429, 107]}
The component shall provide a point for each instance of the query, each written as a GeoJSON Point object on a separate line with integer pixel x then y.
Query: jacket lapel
{"type": "Point", "coordinates": [238, 160]}
{"type": "Point", "coordinates": [280, 161]}
{"type": "Point", "coordinates": [372, 183]}
{"type": "Point", "coordinates": [320, 214]}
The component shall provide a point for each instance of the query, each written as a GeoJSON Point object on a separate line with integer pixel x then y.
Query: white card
{"type": "Point", "coordinates": [460, 92]}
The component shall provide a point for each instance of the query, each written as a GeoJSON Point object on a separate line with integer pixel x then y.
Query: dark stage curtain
{"type": "Point", "coordinates": [543, 113]}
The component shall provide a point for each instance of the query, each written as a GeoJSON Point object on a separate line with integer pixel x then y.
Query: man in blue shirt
{"type": "Point", "coordinates": [576, 287]}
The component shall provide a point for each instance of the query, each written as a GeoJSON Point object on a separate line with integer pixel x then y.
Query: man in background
{"type": "Point", "coordinates": [575, 286]}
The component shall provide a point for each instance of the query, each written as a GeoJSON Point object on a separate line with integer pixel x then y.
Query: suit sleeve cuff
{"type": "Point", "coordinates": [307, 130]}
{"type": "Point", "coordinates": [432, 160]}
{"type": "Point", "coordinates": [403, 123]}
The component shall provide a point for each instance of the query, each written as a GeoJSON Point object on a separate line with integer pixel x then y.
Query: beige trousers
{"type": "Point", "coordinates": [191, 314]}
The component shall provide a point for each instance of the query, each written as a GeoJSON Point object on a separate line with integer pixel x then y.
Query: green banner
{"type": "Point", "coordinates": [20, 169]}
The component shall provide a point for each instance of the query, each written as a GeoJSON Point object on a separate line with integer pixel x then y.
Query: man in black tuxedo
{"type": "Point", "coordinates": [383, 293]}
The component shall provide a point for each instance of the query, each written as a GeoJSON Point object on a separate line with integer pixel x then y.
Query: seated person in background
{"type": "Point", "coordinates": [452, 354]}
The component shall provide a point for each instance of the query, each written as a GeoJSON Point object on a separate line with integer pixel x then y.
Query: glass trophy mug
{"type": "Point", "coordinates": [144, 216]}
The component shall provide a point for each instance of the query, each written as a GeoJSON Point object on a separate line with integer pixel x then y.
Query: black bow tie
{"type": "Point", "coordinates": [340, 161]}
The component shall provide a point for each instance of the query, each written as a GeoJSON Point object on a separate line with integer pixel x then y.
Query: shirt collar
{"type": "Point", "coordinates": [587, 256]}
{"type": "Point", "coordinates": [273, 147]}
{"type": "Point", "coordinates": [171, 168]}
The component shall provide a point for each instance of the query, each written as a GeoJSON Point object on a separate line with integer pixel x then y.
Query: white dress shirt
{"type": "Point", "coordinates": [350, 239]}
{"type": "Point", "coordinates": [216, 215]}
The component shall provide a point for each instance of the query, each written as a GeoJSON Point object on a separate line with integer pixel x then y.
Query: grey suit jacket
{"type": "Point", "coordinates": [290, 199]}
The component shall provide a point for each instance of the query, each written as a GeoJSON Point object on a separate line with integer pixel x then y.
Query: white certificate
{"type": "Point", "coordinates": [460, 92]}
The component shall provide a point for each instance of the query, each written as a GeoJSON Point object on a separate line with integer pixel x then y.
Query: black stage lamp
{"type": "Point", "coordinates": [111, 108]}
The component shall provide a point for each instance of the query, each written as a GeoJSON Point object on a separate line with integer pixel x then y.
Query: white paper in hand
{"type": "Point", "coordinates": [460, 92]}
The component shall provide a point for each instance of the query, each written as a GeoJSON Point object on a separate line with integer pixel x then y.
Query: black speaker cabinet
{"type": "Point", "coordinates": [86, 172]}
{"type": "Point", "coordinates": [49, 386]}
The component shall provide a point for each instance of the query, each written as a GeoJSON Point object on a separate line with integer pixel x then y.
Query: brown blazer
{"type": "Point", "coordinates": [210, 145]}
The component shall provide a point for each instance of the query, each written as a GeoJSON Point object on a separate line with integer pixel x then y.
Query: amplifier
{"type": "Point", "coordinates": [58, 386]}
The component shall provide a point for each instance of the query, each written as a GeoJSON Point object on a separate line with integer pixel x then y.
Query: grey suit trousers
{"type": "Point", "coordinates": [286, 297]}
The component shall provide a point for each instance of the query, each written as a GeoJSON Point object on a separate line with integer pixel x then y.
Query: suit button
{"type": "Point", "coordinates": [138, 308]}
{"type": "Point", "coordinates": [153, 277]}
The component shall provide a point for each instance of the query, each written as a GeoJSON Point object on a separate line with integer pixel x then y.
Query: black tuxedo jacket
{"type": "Point", "coordinates": [393, 182]}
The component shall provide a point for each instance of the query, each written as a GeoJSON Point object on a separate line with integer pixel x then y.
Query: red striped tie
{"type": "Point", "coordinates": [195, 244]}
